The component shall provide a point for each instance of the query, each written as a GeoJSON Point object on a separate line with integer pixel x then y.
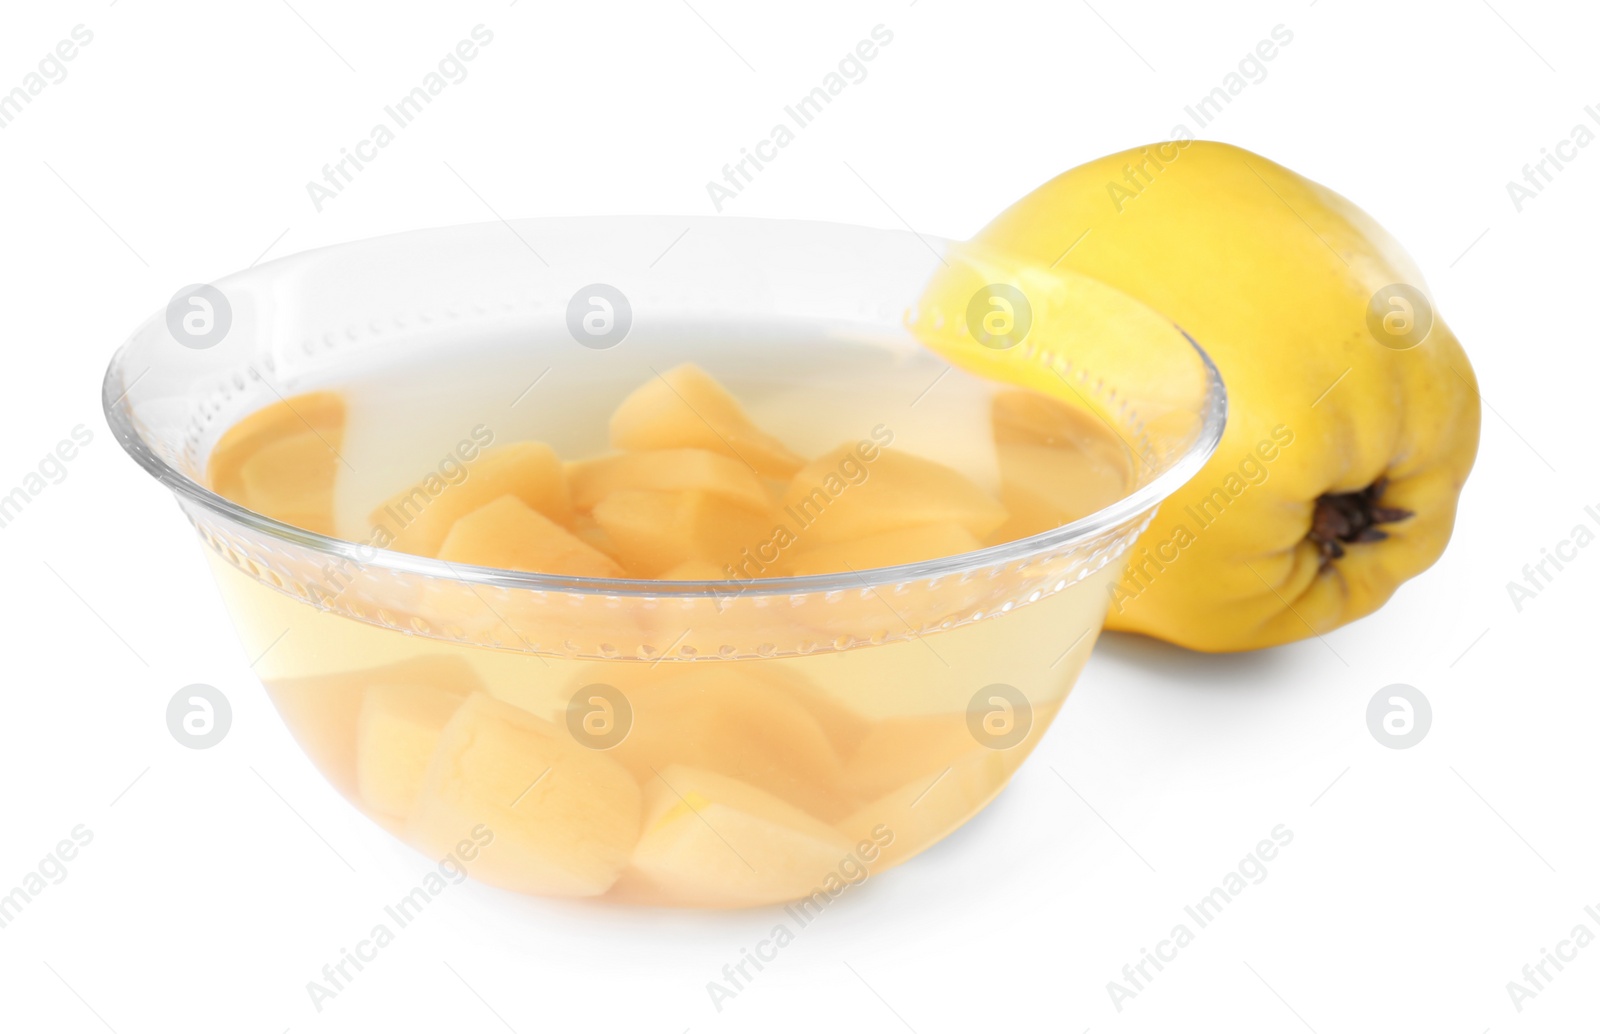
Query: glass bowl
{"type": "Point", "coordinates": [722, 743]}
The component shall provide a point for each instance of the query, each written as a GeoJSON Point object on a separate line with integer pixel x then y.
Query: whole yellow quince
{"type": "Point", "coordinates": [1353, 412]}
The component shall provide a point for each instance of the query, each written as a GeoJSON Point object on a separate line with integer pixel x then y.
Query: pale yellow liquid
{"type": "Point", "coordinates": [738, 781]}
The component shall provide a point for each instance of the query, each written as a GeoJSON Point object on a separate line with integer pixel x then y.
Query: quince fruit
{"type": "Point", "coordinates": [1353, 411]}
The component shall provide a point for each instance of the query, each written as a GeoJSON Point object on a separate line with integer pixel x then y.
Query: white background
{"type": "Point", "coordinates": [1419, 881]}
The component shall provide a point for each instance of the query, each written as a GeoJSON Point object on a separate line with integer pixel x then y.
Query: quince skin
{"type": "Point", "coordinates": [1336, 367]}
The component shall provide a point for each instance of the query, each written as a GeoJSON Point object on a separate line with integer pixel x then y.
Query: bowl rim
{"type": "Point", "coordinates": [1214, 409]}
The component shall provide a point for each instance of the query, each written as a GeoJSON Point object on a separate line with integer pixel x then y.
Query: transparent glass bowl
{"type": "Point", "coordinates": [714, 744]}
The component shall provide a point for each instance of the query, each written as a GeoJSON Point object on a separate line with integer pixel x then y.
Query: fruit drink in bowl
{"type": "Point", "coordinates": [711, 581]}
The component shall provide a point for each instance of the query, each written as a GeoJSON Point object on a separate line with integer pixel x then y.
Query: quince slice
{"type": "Point", "coordinates": [564, 818]}
{"type": "Point", "coordinates": [844, 495]}
{"type": "Point", "coordinates": [396, 731]}
{"type": "Point", "coordinates": [421, 516]}
{"type": "Point", "coordinates": [886, 549]}
{"type": "Point", "coordinates": [919, 813]}
{"type": "Point", "coordinates": [282, 460]}
{"type": "Point", "coordinates": [710, 840]}
{"type": "Point", "coordinates": [291, 480]}
{"type": "Point", "coordinates": [657, 531]}
{"type": "Point", "coordinates": [686, 408]}
{"type": "Point", "coordinates": [321, 411]}
{"type": "Point", "coordinates": [667, 470]}
{"type": "Point", "coordinates": [1045, 486]}
{"type": "Point", "coordinates": [694, 571]}
{"type": "Point", "coordinates": [724, 717]}
{"type": "Point", "coordinates": [324, 711]}
{"type": "Point", "coordinates": [896, 751]}
{"type": "Point", "coordinates": [510, 534]}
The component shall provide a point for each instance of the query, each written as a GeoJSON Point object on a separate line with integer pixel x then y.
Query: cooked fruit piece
{"type": "Point", "coordinates": [694, 571]}
{"type": "Point", "coordinates": [933, 774]}
{"type": "Point", "coordinates": [897, 751]}
{"type": "Point", "coordinates": [1034, 419]}
{"type": "Point", "coordinates": [1046, 486]}
{"type": "Point", "coordinates": [1058, 462]}
{"type": "Point", "coordinates": [713, 841]}
{"type": "Point", "coordinates": [319, 411]}
{"type": "Point", "coordinates": [686, 408]}
{"type": "Point", "coordinates": [564, 817]}
{"type": "Point", "coordinates": [396, 732]}
{"type": "Point", "coordinates": [508, 533]}
{"type": "Point", "coordinates": [655, 531]}
{"type": "Point", "coordinates": [844, 726]}
{"type": "Point", "coordinates": [282, 460]}
{"type": "Point", "coordinates": [895, 492]}
{"type": "Point", "coordinates": [667, 470]}
{"type": "Point", "coordinates": [588, 529]}
{"type": "Point", "coordinates": [291, 480]}
{"type": "Point", "coordinates": [920, 812]}
{"type": "Point", "coordinates": [724, 717]}
{"type": "Point", "coordinates": [885, 549]}
{"type": "Point", "coordinates": [420, 517]}
{"type": "Point", "coordinates": [323, 711]}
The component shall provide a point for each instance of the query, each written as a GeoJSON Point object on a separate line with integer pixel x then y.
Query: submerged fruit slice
{"type": "Point", "coordinates": [897, 751]}
{"type": "Point", "coordinates": [564, 817]}
{"type": "Point", "coordinates": [282, 460]}
{"type": "Point", "coordinates": [885, 549]}
{"type": "Point", "coordinates": [933, 774]}
{"type": "Point", "coordinates": [686, 408]}
{"type": "Point", "coordinates": [655, 531]}
{"type": "Point", "coordinates": [694, 571]}
{"type": "Point", "coordinates": [319, 411]}
{"type": "Point", "coordinates": [667, 470]}
{"type": "Point", "coordinates": [396, 732]}
{"type": "Point", "coordinates": [323, 711]}
{"type": "Point", "coordinates": [724, 717]}
{"type": "Point", "coordinates": [291, 480]}
{"type": "Point", "coordinates": [420, 517]}
{"type": "Point", "coordinates": [1046, 486]}
{"type": "Point", "coordinates": [1034, 419]}
{"type": "Point", "coordinates": [844, 726]}
{"type": "Point", "coordinates": [843, 496]}
{"type": "Point", "coordinates": [923, 810]}
{"type": "Point", "coordinates": [508, 533]}
{"type": "Point", "coordinates": [714, 841]}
